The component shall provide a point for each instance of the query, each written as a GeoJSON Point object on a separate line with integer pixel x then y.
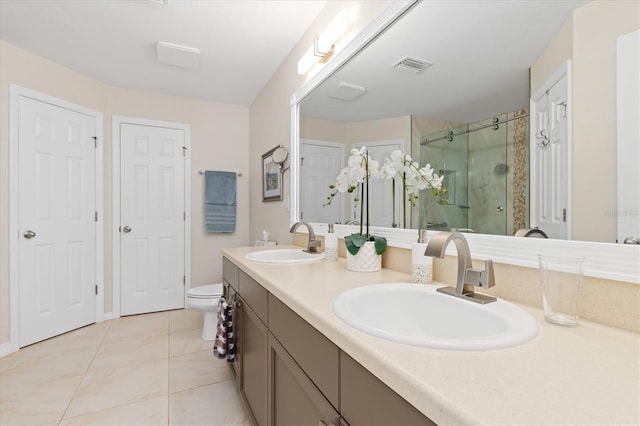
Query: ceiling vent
{"type": "Point", "coordinates": [347, 92]}
{"type": "Point", "coordinates": [412, 64]}
{"type": "Point", "coordinates": [179, 56]}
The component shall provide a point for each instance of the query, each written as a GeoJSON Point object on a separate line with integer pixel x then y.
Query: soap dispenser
{"type": "Point", "coordinates": [421, 265]}
{"type": "Point", "coordinates": [331, 244]}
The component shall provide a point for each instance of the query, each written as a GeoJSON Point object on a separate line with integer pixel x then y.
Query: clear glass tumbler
{"type": "Point", "coordinates": [561, 279]}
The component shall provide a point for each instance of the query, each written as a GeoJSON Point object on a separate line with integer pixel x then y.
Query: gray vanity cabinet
{"type": "Point", "coordinates": [288, 373]}
{"type": "Point", "coordinates": [366, 400]}
{"type": "Point", "coordinates": [294, 400]}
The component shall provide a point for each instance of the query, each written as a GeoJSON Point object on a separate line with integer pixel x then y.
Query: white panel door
{"type": "Point", "coordinates": [152, 221]}
{"type": "Point", "coordinates": [320, 163]}
{"type": "Point", "coordinates": [381, 205]}
{"type": "Point", "coordinates": [628, 143]}
{"type": "Point", "coordinates": [57, 220]}
{"type": "Point", "coordinates": [550, 161]}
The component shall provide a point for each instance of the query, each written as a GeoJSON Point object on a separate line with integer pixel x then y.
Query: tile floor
{"type": "Point", "coordinates": [150, 369]}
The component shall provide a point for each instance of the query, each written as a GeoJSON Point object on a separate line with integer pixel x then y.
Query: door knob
{"type": "Point", "coordinates": [29, 234]}
{"type": "Point", "coordinates": [126, 229]}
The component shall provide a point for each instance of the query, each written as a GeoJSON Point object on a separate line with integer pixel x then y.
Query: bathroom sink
{"type": "Point", "coordinates": [417, 315]}
{"type": "Point", "coordinates": [285, 256]}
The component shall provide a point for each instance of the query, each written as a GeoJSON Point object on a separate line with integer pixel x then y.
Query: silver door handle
{"type": "Point", "coordinates": [500, 209]}
{"type": "Point", "coordinates": [632, 240]}
{"type": "Point", "coordinates": [126, 229]}
{"type": "Point", "coordinates": [29, 234]}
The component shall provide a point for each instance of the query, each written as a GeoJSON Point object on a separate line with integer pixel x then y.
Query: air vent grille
{"type": "Point", "coordinates": [412, 64]}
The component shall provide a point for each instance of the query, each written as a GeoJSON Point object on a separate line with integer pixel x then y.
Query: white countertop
{"type": "Point", "coordinates": [586, 375]}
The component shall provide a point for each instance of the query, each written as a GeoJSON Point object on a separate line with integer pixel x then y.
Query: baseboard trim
{"type": "Point", "coordinates": [6, 348]}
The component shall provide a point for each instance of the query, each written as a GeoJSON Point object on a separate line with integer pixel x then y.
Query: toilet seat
{"type": "Point", "coordinates": [208, 291]}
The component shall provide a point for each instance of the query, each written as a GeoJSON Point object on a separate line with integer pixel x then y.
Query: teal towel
{"type": "Point", "coordinates": [220, 201]}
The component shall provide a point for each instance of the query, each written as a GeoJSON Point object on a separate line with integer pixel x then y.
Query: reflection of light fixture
{"type": "Point", "coordinates": [324, 44]}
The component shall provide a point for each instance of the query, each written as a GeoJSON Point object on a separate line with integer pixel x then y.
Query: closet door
{"type": "Point", "coordinates": [152, 218]}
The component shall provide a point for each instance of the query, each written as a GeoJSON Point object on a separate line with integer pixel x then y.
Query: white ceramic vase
{"type": "Point", "coordinates": [366, 260]}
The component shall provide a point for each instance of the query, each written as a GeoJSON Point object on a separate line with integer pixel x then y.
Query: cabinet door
{"type": "Point", "coordinates": [293, 399]}
{"type": "Point", "coordinates": [253, 355]}
{"type": "Point", "coordinates": [365, 400]}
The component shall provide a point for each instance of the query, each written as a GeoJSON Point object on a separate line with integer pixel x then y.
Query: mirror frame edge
{"type": "Point", "coordinates": [618, 262]}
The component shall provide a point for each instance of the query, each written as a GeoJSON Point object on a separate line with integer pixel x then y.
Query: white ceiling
{"type": "Point", "coordinates": [242, 43]}
{"type": "Point", "coordinates": [481, 53]}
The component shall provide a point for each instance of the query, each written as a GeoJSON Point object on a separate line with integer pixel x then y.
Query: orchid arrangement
{"type": "Point", "coordinates": [355, 179]}
{"type": "Point", "coordinates": [414, 179]}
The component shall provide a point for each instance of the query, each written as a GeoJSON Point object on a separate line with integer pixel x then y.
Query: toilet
{"type": "Point", "coordinates": [204, 299]}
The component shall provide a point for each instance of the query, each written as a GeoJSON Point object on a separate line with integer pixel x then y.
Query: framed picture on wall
{"type": "Point", "coordinates": [271, 177]}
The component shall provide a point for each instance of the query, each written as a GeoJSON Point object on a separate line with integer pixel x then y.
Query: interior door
{"type": "Point", "coordinates": [628, 142]}
{"type": "Point", "coordinates": [57, 220]}
{"type": "Point", "coordinates": [320, 163]}
{"type": "Point", "coordinates": [152, 218]}
{"type": "Point", "coordinates": [382, 210]}
{"type": "Point", "coordinates": [550, 160]}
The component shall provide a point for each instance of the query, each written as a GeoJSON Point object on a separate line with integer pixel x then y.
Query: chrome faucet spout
{"type": "Point", "coordinates": [313, 242]}
{"type": "Point", "coordinates": [467, 277]}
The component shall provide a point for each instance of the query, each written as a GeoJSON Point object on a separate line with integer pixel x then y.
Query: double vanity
{"type": "Point", "coordinates": [309, 352]}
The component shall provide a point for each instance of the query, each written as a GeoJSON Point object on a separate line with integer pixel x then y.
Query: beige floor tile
{"type": "Point", "coordinates": [39, 367]}
{"type": "Point", "coordinates": [112, 387]}
{"type": "Point", "coordinates": [7, 360]}
{"type": "Point", "coordinates": [137, 326]}
{"type": "Point", "coordinates": [122, 353]}
{"type": "Point", "coordinates": [150, 412]}
{"type": "Point", "coordinates": [44, 403]}
{"type": "Point", "coordinates": [195, 370]}
{"type": "Point", "coordinates": [216, 404]}
{"type": "Point", "coordinates": [185, 319]}
{"type": "Point", "coordinates": [187, 342]}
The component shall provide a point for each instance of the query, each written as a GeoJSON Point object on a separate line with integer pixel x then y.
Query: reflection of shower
{"type": "Point", "coordinates": [501, 169]}
{"type": "Point", "coordinates": [484, 174]}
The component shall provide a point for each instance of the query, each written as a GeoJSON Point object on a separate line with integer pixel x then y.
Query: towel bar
{"type": "Point", "coordinates": [201, 172]}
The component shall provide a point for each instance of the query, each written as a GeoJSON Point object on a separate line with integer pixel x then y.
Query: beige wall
{"type": "Point", "coordinates": [589, 40]}
{"type": "Point", "coordinates": [215, 128]}
{"type": "Point", "coordinates": [270, 117]}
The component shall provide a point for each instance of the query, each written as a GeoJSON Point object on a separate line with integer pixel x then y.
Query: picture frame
{"type": "Point", "coordinates": [271, 177]}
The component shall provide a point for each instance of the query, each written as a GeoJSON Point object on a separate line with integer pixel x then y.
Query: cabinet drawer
{"type": "Point", "coordinates": [230, 273]}
{"type": "Point", "coordinates": [294, 398]}
{"type": "Point", "coordinates": [315, 354]}
{"type": "Point", "coordinates": [381, 406]}
{"type": "Point", "coordinates": [254, 295]}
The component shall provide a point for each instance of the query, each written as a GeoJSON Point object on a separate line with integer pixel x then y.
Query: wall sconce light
{"type": "Point", "coordinates": [324, 44]}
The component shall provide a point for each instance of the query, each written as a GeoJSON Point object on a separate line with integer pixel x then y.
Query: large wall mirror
{"type": "Point", "coordinates": [460, 99]}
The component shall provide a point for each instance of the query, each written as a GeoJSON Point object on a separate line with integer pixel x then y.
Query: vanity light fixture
{"type": "Point", "coordinates": [324, 44]}
{"type": "Point", "coordinates": [177, 55]}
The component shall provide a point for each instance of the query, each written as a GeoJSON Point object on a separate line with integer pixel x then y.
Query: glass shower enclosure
{"type": "Point", "coordinates": [485, 173]}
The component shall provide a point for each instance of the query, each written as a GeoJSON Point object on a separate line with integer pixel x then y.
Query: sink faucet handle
{"type": "Point", "coordinates": [478, 278]}
{"type": "Point", "coordinates": [487, 277]}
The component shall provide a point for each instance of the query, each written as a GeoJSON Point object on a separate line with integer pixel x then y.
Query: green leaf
{"type": "Point", "coordinates": [351, 248]}
{"type": "Point", "coordinates": [358, 239]}
{"type": "Point", "coordinates": [380, 244]}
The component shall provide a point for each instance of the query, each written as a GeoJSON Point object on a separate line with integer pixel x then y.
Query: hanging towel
{"type": "Point", "coordinates": [224, 345]}
{"type": "Point", "coordinates": [220, 201]}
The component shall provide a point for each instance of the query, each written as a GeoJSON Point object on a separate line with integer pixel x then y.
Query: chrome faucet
{"type": "Point", "coordinates": [313, 243]}
{"type": "Point", "coordinates": [468, 278]}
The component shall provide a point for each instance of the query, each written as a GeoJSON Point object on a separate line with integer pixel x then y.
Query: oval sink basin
{"type": "Point", "coordinates": [286, 256]}
{"type": "Point", "coordinates": [417, 315]}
